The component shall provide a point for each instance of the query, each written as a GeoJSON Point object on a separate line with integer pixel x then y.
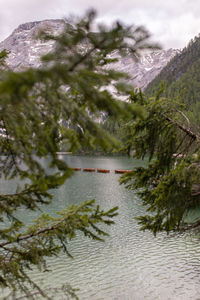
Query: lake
{"type": "Point", "coordinates": [130, 264]}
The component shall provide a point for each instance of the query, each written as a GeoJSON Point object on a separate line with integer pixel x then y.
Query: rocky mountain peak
{"type": "Point", "coordinates": [24, 47]}
{"type": "Point", "coordinates": [25, 51]}
{"type": "Point", "coordinates": [27, 26]}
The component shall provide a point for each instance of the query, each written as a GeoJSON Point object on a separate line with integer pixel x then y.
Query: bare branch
{"type": "Point", "coordinates": [188, 121]}
{"type": "Point", "coordinates": [186, 130]}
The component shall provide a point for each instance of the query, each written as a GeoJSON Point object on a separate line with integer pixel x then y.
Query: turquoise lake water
{"type": "Point", "coordinates": [130, 264]}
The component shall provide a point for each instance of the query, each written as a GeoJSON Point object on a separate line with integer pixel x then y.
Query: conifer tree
{"type": "Point", "coordinates": [169, 184]}
{"type": "Point", "coordinates": [35, 106]}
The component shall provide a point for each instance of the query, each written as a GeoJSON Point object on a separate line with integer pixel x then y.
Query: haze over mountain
{"type": "Point", "coordinates": [25, 51]}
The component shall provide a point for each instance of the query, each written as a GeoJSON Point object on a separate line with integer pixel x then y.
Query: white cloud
{"type": "Point", "coordinates": [173, 23]}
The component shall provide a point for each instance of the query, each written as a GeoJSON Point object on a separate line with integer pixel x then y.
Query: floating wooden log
{"type": "Point", "coordinates": [88, 170]}
{"type": "Point", "coordinates": [63, 153]}
{"type": "Point", "coordinates": [122, 171]}
{"type": "Point", "coordinates": [103, 171]}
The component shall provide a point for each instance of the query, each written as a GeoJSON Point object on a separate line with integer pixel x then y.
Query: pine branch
{"type": "Point", "coordinates": [39, 232]}
{"type": "Point", "coordinates": [97, 217]}
{"type": "Point", "coordinates": [186, 130]}
{"type": "Point", "coordinates": [83, 58]}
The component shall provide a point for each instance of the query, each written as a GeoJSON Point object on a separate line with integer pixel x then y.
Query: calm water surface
{"type": "Point", "coordinates": [130, 264]}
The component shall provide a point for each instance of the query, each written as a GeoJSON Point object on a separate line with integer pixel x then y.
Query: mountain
{"type": "Point", "coordinates": [24, 47]}
{"type": "Point", "coordinates": [148, 66]}
{"type": "Point", "coordinates": [25, 51]}
{"type": "Point", "coordinates": [181, 76]}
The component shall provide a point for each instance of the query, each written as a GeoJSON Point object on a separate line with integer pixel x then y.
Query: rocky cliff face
{"type": "Point", "coordinates": [24, 47]}
{"type": "Point", "coordinates": [147, 68]}
{"type": "Point", "coordinates": [25, 51]}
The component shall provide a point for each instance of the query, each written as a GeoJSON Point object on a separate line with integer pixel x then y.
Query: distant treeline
{"type": "Point", "coordinates": [181, 76]}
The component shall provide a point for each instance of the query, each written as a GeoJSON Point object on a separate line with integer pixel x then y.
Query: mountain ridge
{"type": "Point", "coordinates": [181, 76]}
{"type": "Point", "coordinates": [25, 51]}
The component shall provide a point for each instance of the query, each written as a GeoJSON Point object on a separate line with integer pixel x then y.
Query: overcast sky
{"type": "Point", "coordinates": [171, 22]}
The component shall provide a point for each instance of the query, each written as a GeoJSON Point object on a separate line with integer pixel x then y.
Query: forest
{"type": "Point", "coordinates": [155, 125]}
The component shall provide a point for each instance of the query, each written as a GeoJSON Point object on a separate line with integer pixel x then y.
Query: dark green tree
{"type": "Point", "coordinates": [181, 76]}
{"type": "Point", "coordinates": [35, 106]}
{"type": "Point", "coordinates": [169, 184]}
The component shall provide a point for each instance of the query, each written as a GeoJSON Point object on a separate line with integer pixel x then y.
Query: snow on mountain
{"type": "Point", "coordinates": [24, 47]}
{"type": "Point", "coordinates": [25, 51]}
{"type": "Point", "coordinates": [148, 66]}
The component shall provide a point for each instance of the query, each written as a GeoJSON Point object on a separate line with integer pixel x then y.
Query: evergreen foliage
{"type": "Point", "coordinates": [35, 107]}
{"type": "Point", "coordinates": [169, 185]}
{"type": "Point", "coordinates": [181, 76]}
{"type": "Point", "coordinates": [116, 127]}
